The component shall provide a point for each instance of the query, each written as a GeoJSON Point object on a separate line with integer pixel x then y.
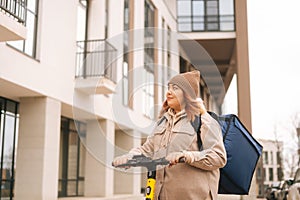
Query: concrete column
{"type": "Point", "coordinates": [243, 75]}
{"type": "Point", "coordinates": [138, 53]}
{"type": "Point", "coordinates": [242, 57]}
{"type": "Point", "coordinates": [129, 181]}
{"type": "Point", "coordinates": [38, 149]}
{"type": "Point", "coordinates": [98, 171]}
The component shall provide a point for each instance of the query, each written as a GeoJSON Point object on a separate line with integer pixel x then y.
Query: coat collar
{"type": "Point", "coordinates": [172, 116]}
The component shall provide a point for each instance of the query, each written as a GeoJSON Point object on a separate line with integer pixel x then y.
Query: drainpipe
{"type": "Point", "coordinates": [85, 38]}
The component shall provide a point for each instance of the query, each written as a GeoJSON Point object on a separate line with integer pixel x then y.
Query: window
{"type": "Point", "coordinates": [148, 88]}
{"type": "Point", "coordinates": [81, 20]}
{"type": "Point", "coordinates": [169, 42]}
{"type": "Point", "coordinates": [126, 53]}
{"type": "Point", "coordinates": [28, 46]}
{"type": "Point", "coordinates": [95, 57]}
{"type": "Point", "coordinates": [271, 158]}
{"type": "Point", "coordinates": [125, 82]}
{"type": "Point", "coordinates": [205, 15]}
{"type": "Point", "coordinates": [163, 71]}
{"type": "Point", "coordinates": [261, 190]}
{"type": "Point", "coordinates": [258, 173]}
{"type": "Point", "coordinates": [279, 173]}
{"type": "Point", "coordinates": [165, 62]}
{"type": "Point", "coordinates": [82, 14]}
{"type": "Point", "coordinates": [271, 176]}
{"type": "Point", "coordinates": [265, 158]}
{"type": "Point", "coordinates": [9, 120]}
{"type": "Point", "coordinates": [106, 18]}
{"type": "Point", "coordinates": [72, 158]}
{"type": "Point", "coordinates": [278, 157]}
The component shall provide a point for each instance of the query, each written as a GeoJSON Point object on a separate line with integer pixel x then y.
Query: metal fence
{"type": "Point", "coordinates": [96, 58]}
{"type": "Point", "coordinates": [15, 9]}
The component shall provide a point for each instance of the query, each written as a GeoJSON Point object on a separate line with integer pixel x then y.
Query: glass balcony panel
{"type": "Point", "coordinates": [226, 7]}
{"type": "Point", "coordinates": [210, 19]}
{"type": "Point", "coordinates": [226, 23]}
{"type": "Point", "coordinates": [212, 11]}
{"type": "Point", "coordinates": [198, 23]}
{"type": "Point", "coordinates": [213, 4]}
{"type": "Point", "coordinates": [212, 26]}
{"type": "Point", "coordinates": [198, 8]}
{"type": "Point", "coordinates": [218, 15]}
{"type": "Point", "coordinates": [198, 27]}
{"type": "Point", "coordinates": [80, 188]}
{"type": "Point", "coordinates": [184, 8]}
{"type": "Point", "coordinates": [184, 24]}
{"type": "Point", "coordinates": [185, 27]}
{"type": "Point", "coordinates": [71, 188]}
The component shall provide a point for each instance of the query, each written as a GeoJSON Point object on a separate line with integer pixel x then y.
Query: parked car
{"type": "Point", "coordinates": [294, 190]}
{"type": "Point", "coordinates": [270, 192]}
{"type": "Point", "coordinates": [281, 194]}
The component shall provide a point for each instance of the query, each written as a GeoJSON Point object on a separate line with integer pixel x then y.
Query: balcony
{"type": "Point", "coordinates": [201, 23]}
{"type": "Point", "coordinates": [96, 67]}
{"type": "Point", "coordinates": [12, 20]}
{"type": "Point", "coordinates": [206, 15]}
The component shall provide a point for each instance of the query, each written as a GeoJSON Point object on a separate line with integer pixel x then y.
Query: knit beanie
{"type": "Point", "coordinates": [188, 82]}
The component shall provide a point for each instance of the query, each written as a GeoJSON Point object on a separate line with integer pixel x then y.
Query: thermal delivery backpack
{"type": "Point", "coordinates": [243, 152]}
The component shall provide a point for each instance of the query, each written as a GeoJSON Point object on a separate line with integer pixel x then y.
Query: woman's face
{"type": "Point", "coordinates": [175, 98]}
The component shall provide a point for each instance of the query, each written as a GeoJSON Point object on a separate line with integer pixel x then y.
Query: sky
{"type": "Point", "coordinates": [274, 41]}
{"type": "Point", "coordinates": [274, 52]}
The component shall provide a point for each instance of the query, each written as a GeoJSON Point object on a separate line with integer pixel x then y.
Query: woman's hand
{"type": "Point", "coordinates": [176, 157]}
{"type": "Point", "coordinates": [122, 160]}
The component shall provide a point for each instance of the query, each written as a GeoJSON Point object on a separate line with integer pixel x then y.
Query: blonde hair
{"type": "Point", "coordinates": [192, 107]}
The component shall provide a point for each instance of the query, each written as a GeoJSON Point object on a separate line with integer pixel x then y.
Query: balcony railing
{"type": "Point", "coordinates": [14, 8]}
{"type": "Point", "coordinates": [202, 23]}
{"type": "Point", "coordinates": [96, 58]}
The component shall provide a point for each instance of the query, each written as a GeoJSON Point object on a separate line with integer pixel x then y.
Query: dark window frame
{"type": "Point", "coordinates": [126, 38]}
{"type": "Point", "coordinates": [24, 43]}
{"type": "Point", "coordinates": [5, 112]}
{"type": "Point", "coordinates": [149, 24]}
{"type": "Point", "coordinates": [65, 181]}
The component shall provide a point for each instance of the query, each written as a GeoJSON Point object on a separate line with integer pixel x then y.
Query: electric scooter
{"type": "Point", "coordinates": [143, 161]}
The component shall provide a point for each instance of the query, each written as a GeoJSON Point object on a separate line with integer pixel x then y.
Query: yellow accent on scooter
{"type": "Point", "coordinates": [150, 189]}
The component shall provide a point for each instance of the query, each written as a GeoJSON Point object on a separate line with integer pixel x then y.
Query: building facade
{"type": "Point", "coordinates": [82, 81]}
{"type": "Point", "coordinates": [270, 166]}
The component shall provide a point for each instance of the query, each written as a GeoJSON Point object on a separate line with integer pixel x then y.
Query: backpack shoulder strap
{"type": "Point", "coordinates": [197, 127]}
{"type": "Point", "coordinates": [161, 120]}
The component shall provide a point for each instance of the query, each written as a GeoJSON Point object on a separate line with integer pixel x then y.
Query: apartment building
{"type": "Point", "coordinates": [270, 166]}
{"type": "Point", "coordinates": [82, 81]}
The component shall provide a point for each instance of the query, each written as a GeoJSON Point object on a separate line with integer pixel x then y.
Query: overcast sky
{"type": "Point", "coordinates": [274, 52]}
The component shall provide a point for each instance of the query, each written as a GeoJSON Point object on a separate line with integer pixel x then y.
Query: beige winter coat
{"type": "Point", "coordinates": [196, 181]}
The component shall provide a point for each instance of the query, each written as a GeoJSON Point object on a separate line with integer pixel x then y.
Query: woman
{"type": "Point", "coordinates": [174, 137]}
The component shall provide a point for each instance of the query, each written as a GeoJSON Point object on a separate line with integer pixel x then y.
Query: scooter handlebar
{"type": "Point", "coordinates": [143, 161]}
